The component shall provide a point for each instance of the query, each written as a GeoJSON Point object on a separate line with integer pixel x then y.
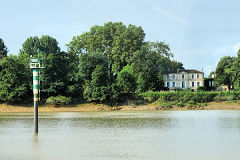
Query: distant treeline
{"type": "Point", "coordinates": [109, 63]}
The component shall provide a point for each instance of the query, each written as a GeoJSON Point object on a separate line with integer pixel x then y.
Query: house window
{"type": "Point", "coordinates": [192, 84]}
{"type": "Point", "coordinates": [198, 84]}
{"type": "Point", "coordinates": [167, 84]}
{"type": "Point", "coordinates": [183, 84]}
{"type": "Point", "coordinates": [183, 76]}
{"type": "Point", "coordinates": [198, 76]}
{"type": "Point", "coordinates": [192, 76]}
{"type": "Point", "coordinates": [173, 76]}
{"type": "Point", "coordinates": [173, 84]}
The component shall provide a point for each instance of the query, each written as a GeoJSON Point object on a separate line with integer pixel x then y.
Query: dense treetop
{"type": "Point", "coordinates": [113, 40]}
{"type": "Point", "coordinates": [45, 44]}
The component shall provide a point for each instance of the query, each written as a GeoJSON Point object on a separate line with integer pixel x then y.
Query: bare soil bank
{"type": "Point", "coordinates": [91, 107]}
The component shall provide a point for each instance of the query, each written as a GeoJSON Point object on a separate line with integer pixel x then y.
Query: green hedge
{"type": "Point", "coordinates": [186, 96]}
{"type": "Point", "coordinates": [59, 101]}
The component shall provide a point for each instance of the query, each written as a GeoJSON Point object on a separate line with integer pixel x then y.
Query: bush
{"type": "Point", "coordinates": [150, 96]}
{"type": "Point", "coordinates": [191, 103]}
{"type": "Point", "coordinates": [200, 88]}
{"type": "Point", "coordinates": [58, 101]}
{"type": "Point", "coordinates": [166, 105]}
{"type": "Point", "coordinates": [180, 104]}
{"type": "Point", "coordinates": [186, 96]}
{"type": "Point", "coordinates": [219, 98]}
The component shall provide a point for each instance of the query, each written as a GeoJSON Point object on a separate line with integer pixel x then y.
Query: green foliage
{"type": "Point", "coordinates": [180, 104]}
{"type": "Point", "coordinates": [191, 102]}
{"type": "Point", "coordinates": [109, 63]}
{"type": "Point", "coordinates": [200, 88]}
{"type": "Point", "coordinates": [114, 40]}
{"type": "Point", "coordinates": [15, 79]}
{"type": "Point", "coordinates": [99, 89]}
{"type": "Point", "coordinates": [88, 63]}
{"type": "Point", "coordinates": [222, 97]}
{"type": "Point", "coordinates": [45, 44]}
{"type": "Point", "coordinates": [235, 71]}
{"type": "Point", "coordinates": [166, 105]}
{"type": "Point", "coordinates": [93, 69]}
{"type": "Point", "coordinates": [126, 81]}
{"type": "Point", "coordinates": [223, 72]}
{"type": "Point", "coordinates": [60, 73]}
{"type": "Point", "coordinates": [150, 63]}
{"type": "Point", "coordinates": [58, 101]}
{"type": "Point", "coordinates": [131, 63]}
{"type": "Point", "coordinates": [58, 77]}
{"type": "Point", "coordinates": [3, 49]}
{"type": "Point", "coordinates": [48, 45]}
{"type": "Point", "coordinates": [55, 74]}
{"type": "Point", "coordinates": [186, 96]}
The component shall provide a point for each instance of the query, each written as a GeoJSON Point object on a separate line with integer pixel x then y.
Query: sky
{"type": "Point", "coordinates": [199, 32]}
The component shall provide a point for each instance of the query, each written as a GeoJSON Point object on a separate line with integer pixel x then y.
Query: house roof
{"type": "Point", "coordinates": [188, 71]}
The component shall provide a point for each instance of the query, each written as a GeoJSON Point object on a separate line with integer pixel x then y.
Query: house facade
{"type": "Point", "coordinates": [184, 79]}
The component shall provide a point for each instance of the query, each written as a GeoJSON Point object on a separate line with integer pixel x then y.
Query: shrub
{"type": "Point", "coordinates": [191, 103]}
{"type": "Point", "coordinates": [186, 96]}
{"type": "Point", "coordinates": [230, 98]}
{"type": "Point", "coordinates": [219, 98]}
{"type": "Point", "coordinates": [180, 104]}
{"type": "Point", "coordinates": [200, 88]}
{"type": "Point", "coordinates": [59, 101]}
{"type": "Point", "coordinates": [166, 105]}
{"type": "Point", "coordinates": [231, 101]}
{"type": "Point", "coordinates": [236, 95]}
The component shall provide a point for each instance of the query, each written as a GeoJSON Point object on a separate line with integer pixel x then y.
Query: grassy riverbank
{"type": "Point", "coordinates": [91, 107]}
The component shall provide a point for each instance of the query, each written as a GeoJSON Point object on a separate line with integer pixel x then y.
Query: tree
{"type": "Point", "coordinates": [235, 72]}
{"type": "Point", "coordinates": [74, 81]}
{"type": "Point", "coordinates": [99, 84]}
{"type": "Point", "coordinates": [58, 76]}
{"type": "Point", "coordinates": [151, 63]}
{"type": "Point", "coordinates": [30, 46]}
{"type": "Point", "coordinates": [113, 40]}
{"type": "Point", "coordinates": [224, 75]}
{"type": "Point", "coordinates": [3, 49]}
{"type": "Point", "coordinates": [55, 74]}
{"type": "Point", "coordinates": [15, 79]}
{"type": "Point", "coordinates": [45, 44]}
{"type": "Point", "coordinates": [126, 81]}
{"type": "Point", "coordinates": [93, 70]}
{"type": "Point", "coordinates": [49, 45]}
{"type": "Point", "coordinates": [88, 63]}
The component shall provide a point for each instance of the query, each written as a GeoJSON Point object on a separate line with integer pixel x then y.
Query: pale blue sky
{"type": "Point", "coordinates": [199, 32]}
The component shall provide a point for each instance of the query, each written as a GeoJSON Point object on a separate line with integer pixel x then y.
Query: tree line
{"type": "Point", "coordinates": [109, 63]}
{"type": "Point", "coordinates": [228, 72]}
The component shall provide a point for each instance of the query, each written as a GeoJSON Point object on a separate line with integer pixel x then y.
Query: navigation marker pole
{"type": "Point", "coordinates": [35, 64]}
{"type": "Point", "coordinates": [36, 88]}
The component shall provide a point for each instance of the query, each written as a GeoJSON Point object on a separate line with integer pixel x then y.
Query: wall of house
{"type": "Point", "coordinates": [188, 78]}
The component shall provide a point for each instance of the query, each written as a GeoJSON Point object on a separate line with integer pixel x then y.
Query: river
{"type": "Point", "coordinates": [155, 135]}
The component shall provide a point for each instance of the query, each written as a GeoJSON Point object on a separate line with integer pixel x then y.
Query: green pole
{"type": "Point", "coordinates": [36, 87]}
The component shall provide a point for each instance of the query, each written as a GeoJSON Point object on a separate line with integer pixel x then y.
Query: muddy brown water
{"type": "Point", "coordinates": [153, 135]}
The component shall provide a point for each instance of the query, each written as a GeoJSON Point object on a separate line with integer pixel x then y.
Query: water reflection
{"type": "Point", "coordinates": [122, 135]}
